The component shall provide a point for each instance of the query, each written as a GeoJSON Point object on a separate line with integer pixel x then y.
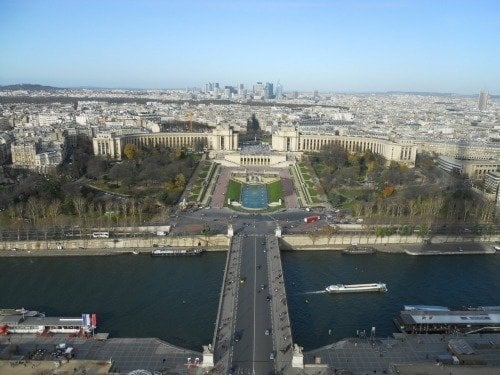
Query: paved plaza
{"type": "Point", "coordinates": [126, 354]}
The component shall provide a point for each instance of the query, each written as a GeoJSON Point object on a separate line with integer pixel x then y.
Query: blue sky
{"type": "Point", "coordinates": [328, 45]}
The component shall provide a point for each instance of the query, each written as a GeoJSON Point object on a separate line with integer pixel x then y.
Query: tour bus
{"type": "Point", "coordinates": [100, 234]}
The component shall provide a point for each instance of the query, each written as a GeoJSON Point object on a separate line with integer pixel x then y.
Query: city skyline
{"type": "Point", "coordinates": [335, 46]}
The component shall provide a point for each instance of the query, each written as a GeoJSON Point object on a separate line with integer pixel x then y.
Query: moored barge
{"type": "Point", "coordinates": [20, 323]}
{"type": "Point", "coordinates": [355, 249]}
{"type": "Point", "coordinates": [164, 252]}
{"type": "Point", "coordinates": [484, 319]}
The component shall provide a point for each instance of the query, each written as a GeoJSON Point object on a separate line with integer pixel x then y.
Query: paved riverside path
{"type": "Point", "coordinates": [126, 354]}
{"type": "Point", "coordinates": [252, 333]}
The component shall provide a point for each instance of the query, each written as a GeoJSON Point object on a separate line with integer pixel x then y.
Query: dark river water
{"type": "Point", "coordinates": [176, 299]}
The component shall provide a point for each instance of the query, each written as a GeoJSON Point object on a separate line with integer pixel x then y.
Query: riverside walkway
{"type": "Point", "coordinates": [252, 333]}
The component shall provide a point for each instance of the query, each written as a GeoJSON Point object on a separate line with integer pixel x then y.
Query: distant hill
{"type": "Point", "coordinates": [28, 87]}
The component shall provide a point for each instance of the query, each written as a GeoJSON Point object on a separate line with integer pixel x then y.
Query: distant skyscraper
{"type": "Point", "coordinates": [295, 94]}
{"type": "Point", "coordinates": [483, 100]}
{"type": "Point", "coordinates": [258, 89]}
{"type": "Point", "coordinates": [279, 91]}
{"type": "Point", "coordinates": [269, 91]}
{"type": "Point", "coordinates": [242, 92]}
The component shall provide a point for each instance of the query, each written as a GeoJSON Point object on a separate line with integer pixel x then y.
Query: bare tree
{"type": "Point", "coordinates": [53, 212]}
{"type": "Point", "coordinates": [32, 208]}
{"type": "Point", "coordinates": [124, 209]}
{"type": "Point", "coordinates": [80, 206]}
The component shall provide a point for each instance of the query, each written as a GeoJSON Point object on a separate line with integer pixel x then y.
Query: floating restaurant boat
{"type": "Point", "coordinates": [19, 323]}
{"type": "Point", "coordinates": [356, 288]}
{"type": "Point", "coordinates": [470, 320]}
{"type": "Point", "coordinates": [163, 252]}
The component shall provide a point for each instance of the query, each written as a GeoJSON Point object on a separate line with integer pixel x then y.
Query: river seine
{"type": "Point", "coordinates": [176, 299]}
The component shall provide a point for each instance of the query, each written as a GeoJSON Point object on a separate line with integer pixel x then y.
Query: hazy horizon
{"type": "Point", "coordinates": [86, 87]}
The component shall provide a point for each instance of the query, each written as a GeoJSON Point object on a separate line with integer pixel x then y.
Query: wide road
{"type": "Point", "coordinates": [252, 348]}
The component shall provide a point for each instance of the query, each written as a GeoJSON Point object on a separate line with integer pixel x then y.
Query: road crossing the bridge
{"type": "Point", "coordinates": [253, 333]}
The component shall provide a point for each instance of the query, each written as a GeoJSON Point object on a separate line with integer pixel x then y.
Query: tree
{"type": "Point", "coordinates": [387, 192]}
{"type": "Point", "coordinates": [170, 185]}
{"type": "Point", "coordinates": [180, 181]}
{"type": "Point", "coordinates": [199, 145]}
{"type": "Point", "coordinates": [53, 211]}
{"type": "Point", "coordinates": [179, 153]}
{"type": "Point", "coordinates": [253, 125]}
{"type": "Point", "coordinates": [96, 167]}
{"type": "Point", "coordinates": [130, 151]}
{"type": "Point", "coordinates": [34, 208]}
{"type": "Point", "coordinates": [124, 172]}
{"type": "Point", "coordinates": [334, 155]}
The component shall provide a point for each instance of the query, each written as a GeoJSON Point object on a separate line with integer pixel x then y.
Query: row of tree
{"type": "Point", "coordinates": [97, 189]}
{"type": "Point", "coordinates": [423, 194]}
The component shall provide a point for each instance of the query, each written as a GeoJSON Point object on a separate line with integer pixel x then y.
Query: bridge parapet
{"type": "Point", "coordinates": [282, 334]}
{"type": "Point", "coordinates": [227, 308]}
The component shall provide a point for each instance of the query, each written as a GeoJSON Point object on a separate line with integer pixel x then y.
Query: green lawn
{"type": "Point", "coordinates": [312, 191]}
{"type": "Point", "coordinates": [274, 192]}
{"type": "Point", "coordinates": [319, 168]}
{"type": "Point", "coordinates": [196, 190]}
{"type": "Point", "coordinates": [202, 175]}
{"type": "Point", "coordinates": [204, 170]}
{"type": "Point", "coordinates": [233, 191]}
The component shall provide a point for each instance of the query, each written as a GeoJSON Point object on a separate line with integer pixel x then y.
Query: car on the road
{"type": "Point", "coordinates": [237, 337]}
{"type": "Point", "coordinates": [259, 266]}
{"type": "Point", "coordinates": [267, 332]}
{"type": "Point", "coordinates": [268, 298]}
{"type": "Point", "coordinates": [271, 356]}
{"type": "Point", "coordinates": [262, 286]}
{"type": "Point", "coordinates": [242, 280]}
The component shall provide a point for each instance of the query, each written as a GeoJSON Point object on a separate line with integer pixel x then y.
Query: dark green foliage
{"type": "Point", "coordinates": [133, 189]}
{"type": "Point", "coordinates": [362, 182]}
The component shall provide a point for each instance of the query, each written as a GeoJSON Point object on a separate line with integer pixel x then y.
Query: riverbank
{"type": "Point", "coordinates": [88, 252]}
{"type": "Point", "coordinates": [411, 245]}
{"type": "Point", "coordinates": [410, 249]}
{"type": "Point", "coordinates": [111, 246]}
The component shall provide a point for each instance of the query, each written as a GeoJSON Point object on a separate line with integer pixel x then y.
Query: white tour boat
{"type": "Point", "coordinates": [356, 288]}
